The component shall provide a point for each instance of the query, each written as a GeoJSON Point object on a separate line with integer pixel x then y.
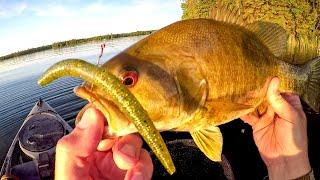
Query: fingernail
{"type": "Point", "coordinates": [137, 176]}
{"type": "Point", "coordinates": [84, 123]}
{"type": "Point", "coordinates": [128, 150]}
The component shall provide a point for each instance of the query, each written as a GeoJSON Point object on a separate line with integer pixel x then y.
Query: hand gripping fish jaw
{"type": "Point", "coordinates": [121, 96]}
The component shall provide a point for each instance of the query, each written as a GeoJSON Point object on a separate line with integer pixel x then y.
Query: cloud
{"type": "Point", "coordinates": [12, 10]}
{"type": "Point", "coordinates": [46, 23]}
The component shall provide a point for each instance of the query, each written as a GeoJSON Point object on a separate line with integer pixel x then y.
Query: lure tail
{"type": "Point", "coordinates": [312, 86]}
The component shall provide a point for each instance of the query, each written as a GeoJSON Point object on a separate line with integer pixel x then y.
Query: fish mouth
{"type": "Point", "coordinates": [117, 123]}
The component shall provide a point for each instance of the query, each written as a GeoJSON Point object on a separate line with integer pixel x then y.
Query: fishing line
{"type": "Point", "coordinates": [102, 46]}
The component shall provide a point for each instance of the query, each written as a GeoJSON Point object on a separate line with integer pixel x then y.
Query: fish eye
{"type": "Point", "coordinates": [129, 78]}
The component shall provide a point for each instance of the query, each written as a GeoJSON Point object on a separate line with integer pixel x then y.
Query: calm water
{"type": "Point", "coordinates": [19, 90]}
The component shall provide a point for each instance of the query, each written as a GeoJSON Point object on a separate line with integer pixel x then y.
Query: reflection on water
{"type": "Point", "coordinates": [19, 90]}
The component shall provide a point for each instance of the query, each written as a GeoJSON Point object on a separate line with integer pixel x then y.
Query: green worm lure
{"type": "Point", "coordinates": [120, 95]}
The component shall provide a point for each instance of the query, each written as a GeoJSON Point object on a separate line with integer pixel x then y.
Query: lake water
{"type": "Point", "coordinates": [19, 90]}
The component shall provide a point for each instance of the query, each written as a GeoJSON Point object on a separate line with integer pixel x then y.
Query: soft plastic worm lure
{"type": "Point", "coordinates": [122, 97]}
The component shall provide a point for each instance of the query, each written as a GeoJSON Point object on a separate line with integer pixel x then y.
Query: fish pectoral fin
{"type": "Point", "coordinates": [209, 142]}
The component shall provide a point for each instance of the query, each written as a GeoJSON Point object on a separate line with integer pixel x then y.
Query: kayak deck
{"type": "Point", "coordinates": [31, 154]}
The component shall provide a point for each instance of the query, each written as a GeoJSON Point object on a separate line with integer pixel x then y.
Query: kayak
{"type": "Point", "coordinates": [32, 152]}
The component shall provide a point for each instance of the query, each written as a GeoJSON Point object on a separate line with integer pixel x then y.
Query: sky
{"type": "Point", "coordinates": [32, 23]}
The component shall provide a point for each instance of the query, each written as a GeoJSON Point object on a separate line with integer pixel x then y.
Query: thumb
{"type": "Point", "coordinates": [275, 99]}
{"type": "Point", "coordinates": [84, 139]}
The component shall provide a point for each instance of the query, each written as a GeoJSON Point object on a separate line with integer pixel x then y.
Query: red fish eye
{"type": "Point", "coordinates": [130, 78]}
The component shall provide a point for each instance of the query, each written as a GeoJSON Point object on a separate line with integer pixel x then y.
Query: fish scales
{"type": "Point", "coordinates": [226, 54]}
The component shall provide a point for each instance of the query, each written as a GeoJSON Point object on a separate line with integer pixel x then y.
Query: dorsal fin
{"type": "Point", "coordinates": [272, 35]}
{"type": "Point", "coordinates": [301, 50]}
{"type": "Point", "coordinates": [291, 49]}
{"type": "Point", "coordinates": [226, 13]}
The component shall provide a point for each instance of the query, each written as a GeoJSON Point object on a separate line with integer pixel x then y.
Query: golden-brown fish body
{"type": "Point", "coordinates": [195, 74]}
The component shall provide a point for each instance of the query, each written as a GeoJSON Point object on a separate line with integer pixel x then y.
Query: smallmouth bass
{"type": "Point", "coordinates": [194, 75]}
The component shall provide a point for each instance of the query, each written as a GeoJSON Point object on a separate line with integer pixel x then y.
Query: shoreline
{"type": "Point", "coordinates": [74, 42]}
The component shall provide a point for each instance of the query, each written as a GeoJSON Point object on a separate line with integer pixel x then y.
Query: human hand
{"type": "Point", "coordinates": [281, 134]}
{"type": "Point", "coordinates": [84, 155]}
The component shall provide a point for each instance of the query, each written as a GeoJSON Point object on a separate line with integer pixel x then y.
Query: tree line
{"type": "Point", "coordinates": [74, 42]}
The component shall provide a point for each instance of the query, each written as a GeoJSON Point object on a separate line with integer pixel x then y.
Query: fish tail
{"type": "Point", "coordinates": [311, 94]}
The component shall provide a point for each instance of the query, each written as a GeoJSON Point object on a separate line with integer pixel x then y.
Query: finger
{"type": "Point", "coordinates": [126, 151]}
{"type": "Point", "coordinates": [251, 119]}
{"type": "Point", "coordinates": [84, 139]}
{"type": "Point", "coordinates": [143, 169]}
{"type": "Point", "coordinates": [262, 125]}
{"type": "Point", "coordinates": [106, 166]}
{"type": "Point", "coordinates": [265, 121]}
{"type": "Point", "coordinates": [72, 150]}
{"type": "Point", "coordinates": [106, 144]}
{"type": "Point", "coordinates": [293, 99]}
{"type": "Point", "coordinates": [82, 111]}
{"type": "Point", "coordinates": [278, 103]}
{"type": "Point", "coordinates": [146, 161]}
{"type": "Point", "coordinates": [107, 141]}
{"type": "Point", "coordinates": [269, 114]}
